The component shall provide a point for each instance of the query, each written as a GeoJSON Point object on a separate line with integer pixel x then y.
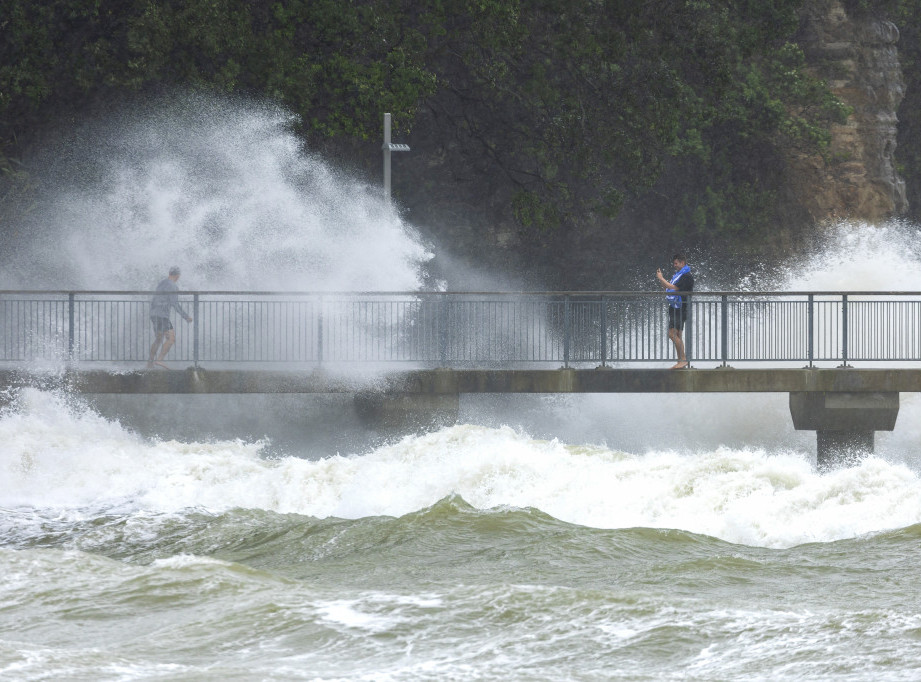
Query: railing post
{"type": "Point", "coordinates": [629, 333]}
{"type": "Point", "coordinates": [604, 331]}
{"type": "Point", "coordinates": [195, 323]}
{"type": "Point", "coordinates": [443, 331]}
{"type": "Point", "coordinates": [70, 325]}
{"type": "Point", "coordinates": [567, 329]}
{"type": "Point", "coordinates": [320, 331]}
{"type": "Point", "coordinates": [844, 330]}
{"type": "Point", "coordinates": [810, 318]}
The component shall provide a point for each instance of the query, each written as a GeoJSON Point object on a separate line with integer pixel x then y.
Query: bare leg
{"type": "Point", "coordinates": [169, 338]}
{"type": "Point", "coordinates": [675, 336]}
{"type": "Point", "coordinates": [153, 349]}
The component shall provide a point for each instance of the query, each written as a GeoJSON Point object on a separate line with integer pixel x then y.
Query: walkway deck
{"type": "Point", "coordinates": [456, 381]}
{"type": "Point", "coordinates": [289, 342]}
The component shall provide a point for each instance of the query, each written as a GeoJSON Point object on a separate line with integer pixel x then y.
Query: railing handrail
{"type": "Point", "coordinates": [490, 328]}
{"type": "Point", "coordinates": [616, 293]}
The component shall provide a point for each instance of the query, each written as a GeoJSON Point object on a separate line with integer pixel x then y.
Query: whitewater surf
{"type": "Point", "coordinates": [541, 538]}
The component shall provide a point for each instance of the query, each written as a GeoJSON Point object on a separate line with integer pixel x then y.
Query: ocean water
{"type": "Point", "coordinates": [470, 553]}
{"type": "Point", "coordinates": [541, 538]}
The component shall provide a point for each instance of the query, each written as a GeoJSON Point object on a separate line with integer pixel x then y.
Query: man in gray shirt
{"type": "Point", "coordinates": [167, 297]}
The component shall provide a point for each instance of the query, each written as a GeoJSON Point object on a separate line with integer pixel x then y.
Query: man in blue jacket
{"type": "Point", "coordinates": [167, 297]}
{"type": "Point", "coordinates": [679, 308]}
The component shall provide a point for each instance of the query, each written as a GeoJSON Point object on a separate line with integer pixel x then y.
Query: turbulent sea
{"type": "Point", "coordinates": [470, 553]}
{"type": "Point", "coordinates": [577, 538]}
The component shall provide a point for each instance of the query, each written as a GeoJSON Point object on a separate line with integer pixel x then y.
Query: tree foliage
{"type": "Point", "coordinates": [584, 107]}
{"type": "Point", "coordinates": [574, 107]}
{"type": "Point", "coordinates": [335, 63]}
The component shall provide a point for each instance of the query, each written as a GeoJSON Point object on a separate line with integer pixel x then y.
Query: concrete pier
{"type": "Point", "coordinates": [845, 422]}
{"type": "Point", "coordinates": [844, 406]}
{"type": "Point", "coordinates": [442, 381]}
{"type": "Point", "coordinates": [407, 411]}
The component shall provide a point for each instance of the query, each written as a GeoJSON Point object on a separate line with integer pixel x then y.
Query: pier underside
{"type": "Point", "coordinates": [844, 406]}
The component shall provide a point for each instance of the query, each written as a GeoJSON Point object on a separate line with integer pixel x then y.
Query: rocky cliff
{"type": "Point", "coordinates": [858, 57]}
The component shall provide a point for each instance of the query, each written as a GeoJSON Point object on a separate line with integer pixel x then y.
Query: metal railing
{"type": "Point", "coordinates": [485, 329]}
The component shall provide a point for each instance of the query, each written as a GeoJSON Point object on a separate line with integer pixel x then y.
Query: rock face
{"type": "Point", "coordinates": [857, 56]}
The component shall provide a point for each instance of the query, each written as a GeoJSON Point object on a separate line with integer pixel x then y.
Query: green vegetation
{"type": "Point", "coordinates": [576, 107]}
{"type": "Point", "coordinates": [335, 63]}
{"type": "Point", "coordinates": [909, 137]}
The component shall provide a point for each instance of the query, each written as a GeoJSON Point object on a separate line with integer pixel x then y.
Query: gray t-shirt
{"type": "Point", "coordinates": [167, 297]}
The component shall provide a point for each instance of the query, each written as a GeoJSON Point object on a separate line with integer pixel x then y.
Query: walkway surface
{"type": "Point", "coordinates": [454, 381]}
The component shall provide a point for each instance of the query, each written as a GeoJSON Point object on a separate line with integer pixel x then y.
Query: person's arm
{"type": "Point", "coordinates": [185, 315]}
{"type": "Point", "coordinates": [174, 301]}
{"type": "Point", "coordinates": [664, 282]}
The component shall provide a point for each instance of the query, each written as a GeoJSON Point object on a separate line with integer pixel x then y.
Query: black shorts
{"type": "Point", "coordinates": [161, 325]}
{"type": "Point", "coordinates": [677, 317]}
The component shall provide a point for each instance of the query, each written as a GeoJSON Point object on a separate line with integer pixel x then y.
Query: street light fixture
{"type": "Point", "coordinates": [389, 147]}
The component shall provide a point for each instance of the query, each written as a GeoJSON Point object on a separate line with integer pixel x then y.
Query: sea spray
{"type": "Point", "coordinates": [855, 256]}
{"type": "Point", "coordinates": [82, 462]}
{"type": "Point", "coordinates": [220, 186]}
{"type": "Point", "coordinates": [475, 552]}
{"type": "Point", "coordinates": [847, 256]}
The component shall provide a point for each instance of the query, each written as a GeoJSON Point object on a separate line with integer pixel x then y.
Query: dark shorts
{"type": "Point", "coordinates": [677, 317]}
{"type": "Point", "coordinates": [161, 325]}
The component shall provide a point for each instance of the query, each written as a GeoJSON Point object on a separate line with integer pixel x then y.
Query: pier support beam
{"type": "Point", "coordinates": [407, 411]}
{"type": "Point", "coordinates": [844, 422]}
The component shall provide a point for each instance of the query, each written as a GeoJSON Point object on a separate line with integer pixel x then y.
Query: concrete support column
{"type": "Point", "coordinates": [407, 411]}
{"type": "Point", "coordinates": [838, 449]}
{"type": "Point", "coordinates": [844, 422]}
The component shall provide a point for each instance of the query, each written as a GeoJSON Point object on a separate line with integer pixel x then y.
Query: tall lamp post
{"type": "Point", "coordinates": [389, 147]}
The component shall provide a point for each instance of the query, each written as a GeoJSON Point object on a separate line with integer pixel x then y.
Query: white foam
{"type": "Point", "coordinates": [856, 256]}
{"type": "Point", "coordinates": [56, 456]}
{"type": "Point", "coordinates": [220, 187]}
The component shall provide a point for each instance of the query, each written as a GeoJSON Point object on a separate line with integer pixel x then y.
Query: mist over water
{"type": "Point", "coordinates": [543, 537]}
{"type": "Point", "coordinates": [857, 256]}
{"type": "Point", "coordinates": [224, 189]}
{"type": "Point", "coordinates": [59, 455]}
{"type": "Point", "coordinates": [847, 256]}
